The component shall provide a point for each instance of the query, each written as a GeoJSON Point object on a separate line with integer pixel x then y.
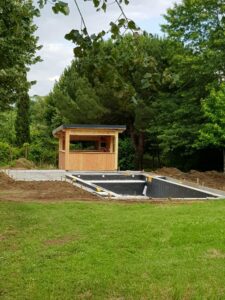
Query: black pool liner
{"type": "Point", "coordinates": [140, 185]}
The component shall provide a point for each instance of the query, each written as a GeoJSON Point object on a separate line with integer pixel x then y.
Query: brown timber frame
{"type": "Point", "coordinates": [98, 159]}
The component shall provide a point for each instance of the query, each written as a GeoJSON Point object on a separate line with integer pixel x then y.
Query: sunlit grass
{"type": "Point", "coordinates": [112, 251]}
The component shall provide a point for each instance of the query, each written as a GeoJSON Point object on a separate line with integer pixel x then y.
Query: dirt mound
{"type": "Point", "coordinates": [5, 181]}
{"type": "Point", "coordinates": [211, 179]}
{"type": "Point", "coordinates": [40, 190]}
{"type": "Point", "coordinates": [172, 172]}
{"type": "Point", "coordinates": [23, 163]}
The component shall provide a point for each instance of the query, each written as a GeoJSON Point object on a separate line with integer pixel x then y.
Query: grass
{"type": "Point", "coordinates": [112, 251]}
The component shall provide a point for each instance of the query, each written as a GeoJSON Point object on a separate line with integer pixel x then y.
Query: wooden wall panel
{"type": "Point", "coordinates": [92, 161]}
{"type": "Point", "coordinates": [62, 160]}
{"type": "Point", "coordinates": [88, 161]}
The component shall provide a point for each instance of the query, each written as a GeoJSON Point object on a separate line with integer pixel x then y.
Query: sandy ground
{"type": "Point", "coordinates": [210, 179]}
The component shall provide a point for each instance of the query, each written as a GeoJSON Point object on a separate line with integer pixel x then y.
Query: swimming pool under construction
{"type": "Point", "coordinates": [123, 185]}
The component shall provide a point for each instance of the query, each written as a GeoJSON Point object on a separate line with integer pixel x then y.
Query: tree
{"type": "Point", "coordinates": [17, 49]}
{"type": "Point", "coordinates": [122, 80]}
{"type": "Point", "coordinates": [73, 100]}
{"type": "Point", "coordinates": [22, 124]}
{"type": "Point", "coordinates": [198, 26]}
{"type": "Point", "coordinates": [43, 147]}
{"type": "Point", "coordinates": [212, 132]}
{"type": "Point", "coordinates": [7, 126]}
{"type": "Point", "coordinates": [81, 38]}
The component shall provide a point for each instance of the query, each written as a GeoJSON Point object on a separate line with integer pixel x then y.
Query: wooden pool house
{"type": "Point", "coordinates": [88, 147]}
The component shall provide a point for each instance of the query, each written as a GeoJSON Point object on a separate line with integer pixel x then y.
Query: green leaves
{"type": "Point", "coordinates": [81, 37]}
{"type": "Point", "coordinates": [213, 131]}
{"type": "Point", "coordinates": [122, 23]}
{"type": "Point", "coordinates": [115, 29]}
{"type": "Point", "coordinates": [96, 3]}
{"type": "Point", "coordinates": [131, 25]}
{"type": "Point", "coordinates": [74, 35]}
{"type": "Point", "coordinates": [103, 4]}
{"type": "Point", "coordinates": [58, 6]}
{"type": "Point", "coordinates": [42, 3]}
{"type": "Point", "coordinates": [61, 7]}
{"type": "Point", "coordinates": [17, 50]}
{"type": "Point", "coordinates": [197, 24]}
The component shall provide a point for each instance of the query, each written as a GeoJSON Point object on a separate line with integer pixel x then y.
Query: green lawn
{"type": "Point", "coordinates": [112, 251]}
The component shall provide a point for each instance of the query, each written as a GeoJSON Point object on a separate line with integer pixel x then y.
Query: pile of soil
{"type": "Point", "coordinates": [40, 190]}
{"type": "Point", "coordinates": [23, 163]}
{"type": "Point", "coordinates": [211, 179]}
{"type": "Point", "coordinates": [5, 181]}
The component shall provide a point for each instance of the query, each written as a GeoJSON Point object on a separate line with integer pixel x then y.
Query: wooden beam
{"type": "Point", "coordinates": [92, 132]}
{"type": "Point", "coordinates": [60, 142]}
{"type": "Point", "coordinates": [116, 150]}
{"type": "Point", "coordinates": [67, 150]}
{"type": "Point", "coordinates": [111, 140]}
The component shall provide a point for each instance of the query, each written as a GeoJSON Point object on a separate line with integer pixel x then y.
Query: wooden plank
{"type": "Point", "coordinates": [67, 150]}
{"type": "Point", "coordinates": [92, 161]}
{"type": "Point", "coordinates": [62, 160]}
{"type": "Point", "coordinates": [111, 141]}
{"type": "Point", "coordinates": [60, 142]}
{"type": "Point", "coordinates": [116, 150]}
{"type": "Point", "coordinates": [92, 132]}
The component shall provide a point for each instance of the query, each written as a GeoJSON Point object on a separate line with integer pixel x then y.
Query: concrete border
{"type": "Point", "coordinates": [36, 175]}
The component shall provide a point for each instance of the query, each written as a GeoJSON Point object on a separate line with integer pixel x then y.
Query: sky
{"type": "Point", "coordinates": [57, 52]}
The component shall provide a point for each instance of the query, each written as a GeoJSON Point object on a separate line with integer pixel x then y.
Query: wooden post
{"type": "Point", "coordinates": [116, 150]}
{"type": "Point", "coordinates": [111, 138]}
{"type": "Point", "coordinates": [60, 141]}
{"type": "Point", "coordinates": [67, 149]}
{"type": "Point", "coordinates": [60, 147]}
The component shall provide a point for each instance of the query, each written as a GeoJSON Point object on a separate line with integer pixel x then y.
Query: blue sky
{"type": "Point", "coordinates": [57, 53]}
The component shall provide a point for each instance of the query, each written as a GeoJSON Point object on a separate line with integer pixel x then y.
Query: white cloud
{"type": "Point", "coordinates": [57, 53]}
{"type": "Point", "coordinates": [54, 78]}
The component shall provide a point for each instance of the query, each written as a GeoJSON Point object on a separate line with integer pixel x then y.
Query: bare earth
{"type": "Point", "coordinates": [40, 190]}
{"type": "Point", "coordinates": [210, 179]}
{"type": "Point", "coordinates": [51, 191]}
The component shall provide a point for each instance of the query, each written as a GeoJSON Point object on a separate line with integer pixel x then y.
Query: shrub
{"type": "Point", "coordinates": [8, 153]}
{"type": "Point", "coordinates": [43, 153]}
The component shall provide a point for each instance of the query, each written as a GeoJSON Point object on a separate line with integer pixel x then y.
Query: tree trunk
{"type": "Point", "coordinates": [223, 160]}
{"type": "Point", "coordinates": [138, 142]}
{"type": "Point", "coordinates": [22, 123]}
{"type": "Point", "coordinates": [140, 150]}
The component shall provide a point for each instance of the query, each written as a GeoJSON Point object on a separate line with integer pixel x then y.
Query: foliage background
{"type": "Point", "coordinates": [169, 91]}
